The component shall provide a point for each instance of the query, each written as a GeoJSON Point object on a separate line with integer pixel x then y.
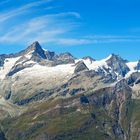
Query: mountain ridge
{"type": "Point", "coordinates": [49, 96]}
{"type": "Point", "coordinates": [37, 43]}
{"type": "Point", "coordinates": [35, 53]}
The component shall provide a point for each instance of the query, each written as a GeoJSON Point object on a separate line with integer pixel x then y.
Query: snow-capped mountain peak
{"type": "Point", "coordinates": [34, 49]}
{"type": "Point", "coordinates": [35, 55]}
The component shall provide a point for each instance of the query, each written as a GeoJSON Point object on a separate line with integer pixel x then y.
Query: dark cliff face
{"type": "Point", "coordinates": [66, 58]}
{"type": "Point", "coordinates": [133, 79]}
{"type": "Point", "coordinates": [35, 48]}
{"type": "Point", "coordinates": [1, 61]}
{"type": "Point", "coordinates": [2, 135]}
{"type": "Point", "coordinates": [138, 66]}
{"type": "Point", "coordinates": [80, 66]}
{"type": "Point", "coordinates": [89, 58]}
{"type": "Point", "coordinates": [118, 65]}
{"type": "Point", "coordinates": [50, 55]}
{"type": "Point", "coordinates": [18, 68]}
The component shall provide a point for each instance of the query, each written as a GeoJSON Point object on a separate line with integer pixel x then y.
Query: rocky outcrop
{"type": "Point", "coordinates": [35, 48]}
{"type": "Point", "coordinates": [80, 66]}
{"type": "Point", "coordinates": [88, 58]}
{"type": "Point", "coordinates": [1, 60]}
{"type": "Point", "coordinates": [133, 78]}
{"type": "Point", "coordinates": [18, 68]}
{"type": "Point", "coordinates": [65, 58]}
{"type": "Point", "coordinates": [50, 55]}
{"type": "Point", "coordinates": [118, 65]}
{"type": "Point", "coordinates": [138, 66]}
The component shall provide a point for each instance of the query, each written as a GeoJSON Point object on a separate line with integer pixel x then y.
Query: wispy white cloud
{"type": "Point", "coordinates": [72, 41]}
{"type": "Point", "coordinates": [51, 28]}
{"type": "Point", "coordinates": [95, 40]}
{"type": "Point", "coordinates": [20, 10]}
{"type": "Point", "coordinates": [114, 38]}
{"type": "Point", "coordinates": [45, 28]}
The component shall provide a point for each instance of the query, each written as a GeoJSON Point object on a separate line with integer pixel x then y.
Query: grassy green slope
{"type": "Point", "coordinates": [53, 120]}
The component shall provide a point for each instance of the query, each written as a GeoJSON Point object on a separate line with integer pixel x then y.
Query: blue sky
{"type": "Point", "coordinates": [83, 27]}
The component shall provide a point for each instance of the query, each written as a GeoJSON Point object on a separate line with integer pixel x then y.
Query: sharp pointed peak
{"type": "Point", "coordinates": [107, 58]}
{"type": "Point", "coordinates": [115, 57]}
{"type": "Point", "coordinates": [112, 55]}
{"type": "Point", "coordinates": [34, 46]}
{"type": "Point", "coordinates": [36, 43]}
{"type": "Point", "coordinates": [88, 58]}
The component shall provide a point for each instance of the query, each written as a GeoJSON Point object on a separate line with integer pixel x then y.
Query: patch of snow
{"type": "Point", "coordinates": [8, 64]}
{"type": "Point", "coordinates": [95, 65]}
{"type": "Point", "coordinates": [78, 110]}
{"type": "Point", "coordinates": [50, 73]}
{"type": "Point", "coordinates": [29, 55]}
{"type": "Point", "coordinates": [45, 50]}
{"type": "Point", "coordinates": [39, 69]}
{"type": "Point", "coordinates": [131, 66]}
{"type": "Point", "coordinates": [30, 62]}
{"type": "Point", "coordinates": [107, 58]}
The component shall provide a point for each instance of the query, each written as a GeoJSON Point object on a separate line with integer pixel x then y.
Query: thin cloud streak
{"type": "Point", "coordinates": [44, 28]}
{"type": "Point", "coordinates": [23, 9]}
{"type": "Point", "coordinates": [99, 40]}
{"type": "Point", "coordinates": [52, 28]}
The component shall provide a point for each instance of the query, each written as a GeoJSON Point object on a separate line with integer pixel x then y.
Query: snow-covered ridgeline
{"type": "Point", "coordinates": [8, 64]}
{"type": "Point", "coordinates": [95, 65]}
{"type": "Point", "coordinates": [132, 66]}
{"type": "Point", "coordinates": [60, 69]}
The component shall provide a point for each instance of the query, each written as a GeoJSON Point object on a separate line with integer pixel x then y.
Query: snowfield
{"type": "Point", "coordinates": [8, 64]}
{"type": "Point", "coordinates": [59, 72]}
{"type": "Point", "coordinates": [131, 66]}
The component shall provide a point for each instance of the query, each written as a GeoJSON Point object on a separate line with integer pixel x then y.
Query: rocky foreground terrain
{"type": "Point", "coordinates": [49, 96]}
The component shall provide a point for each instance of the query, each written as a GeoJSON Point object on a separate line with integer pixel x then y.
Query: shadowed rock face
{"type": "Point", "coordinates": [118, 65]}
{"type": "Point", "coordinates": [88, 58]}
{"type": "Point", "coordinates": [35, 48]}
{"type": "Point", "coordinates": [1, 61]}
{"type": "Point", "coordinates": [50, 55]}
{"type": "Point", "coordinates": [138, 66]}
{"type": "Point", "coordinates": [2, 136]}
{"type": "Point", "coordinates": [80, 66]}
{"type": "Point", "coordinates": [18, 68]}
{"type": "Point", "coordinates": [65, 58]}
{"type": "Point", "coordinates": [134, 77]}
